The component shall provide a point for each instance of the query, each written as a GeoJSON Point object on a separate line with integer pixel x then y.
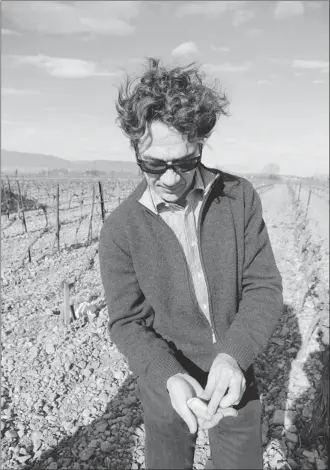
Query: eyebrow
{"type": "Point", "coordinates": [176, 160]}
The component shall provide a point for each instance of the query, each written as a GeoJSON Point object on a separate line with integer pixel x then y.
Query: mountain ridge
{"type": "Point", "coordinates": [24, 162]}
{"type": "Point", "coordinates": [41, 164]}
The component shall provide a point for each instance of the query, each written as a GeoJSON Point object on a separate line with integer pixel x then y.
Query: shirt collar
{"type": "Point", "coordinates": [207, 177]}
{"type": "Point", "coordinates": [158, 202]}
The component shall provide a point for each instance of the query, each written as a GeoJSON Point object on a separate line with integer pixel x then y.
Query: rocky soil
{"type": "Point", "coordinates": [68, 398]}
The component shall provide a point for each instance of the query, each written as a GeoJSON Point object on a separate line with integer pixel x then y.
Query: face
{"type": "Point", "coordinates": [162, 142]}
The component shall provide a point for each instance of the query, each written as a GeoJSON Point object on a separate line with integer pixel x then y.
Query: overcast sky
{"type": "Point", "coordinates": [62, 63]}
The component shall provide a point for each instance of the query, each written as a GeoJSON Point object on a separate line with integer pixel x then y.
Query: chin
{"type": "Point", "coordinates": [170, 197]}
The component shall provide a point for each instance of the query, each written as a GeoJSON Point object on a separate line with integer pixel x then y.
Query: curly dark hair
{"type": "Point", "coordinates": [177, 97]}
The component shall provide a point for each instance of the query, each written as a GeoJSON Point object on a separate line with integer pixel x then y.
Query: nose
{"type": "Point", "coordinates": [170, 178]}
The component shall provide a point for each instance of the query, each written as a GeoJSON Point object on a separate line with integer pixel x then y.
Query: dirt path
{"type": "Point", "coordinates": [288, 372]}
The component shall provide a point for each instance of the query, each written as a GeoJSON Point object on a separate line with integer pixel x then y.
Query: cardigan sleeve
{"type": "Point", "coordinates": [261, 304]}
{"type": "Point", "coordinates": [130, 315]}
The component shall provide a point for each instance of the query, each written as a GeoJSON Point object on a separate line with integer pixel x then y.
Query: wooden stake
{"type": "Point", "coordinates": [73, 313]}
{"type": "Point", "coordinates": [308, 201]}
{"type": "Point", "coordinates": [20, 198]}
{"type": "Point", "coordinates": [101, 200]}
{"type": "Point", "coordinates": [46, 229]}
{"type": "Point", "coordinates": [58, 216]}
{"type": "Point", "coordinates": [66, 304]}
{"type": "Point", "coordinates": [81, 201]}
{"type": "Point", "coordinates": [299, 191]}
{"type": "Point", "coordinates": [90, 229]}
{"type": "Point", "coordinates": [5, 198]}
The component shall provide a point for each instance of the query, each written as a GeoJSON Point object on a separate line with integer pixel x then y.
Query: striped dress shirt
{"type": "Point", "coordinates": [183, 222]}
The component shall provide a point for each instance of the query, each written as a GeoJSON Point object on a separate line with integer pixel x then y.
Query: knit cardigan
{"type": "Point", "coordinates": [152, 306]}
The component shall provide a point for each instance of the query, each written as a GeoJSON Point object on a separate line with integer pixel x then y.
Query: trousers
{"type": "Point", "coordinates": [235, 443]}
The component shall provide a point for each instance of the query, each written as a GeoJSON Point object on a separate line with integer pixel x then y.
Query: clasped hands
{"type": "Point", "coordinates": [189, 399]}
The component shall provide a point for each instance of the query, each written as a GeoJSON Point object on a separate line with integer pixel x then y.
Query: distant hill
{"type": "Point", "coordinates": [34, 163]}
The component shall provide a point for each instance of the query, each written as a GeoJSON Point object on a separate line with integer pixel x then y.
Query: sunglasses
{"type": "Point", "coordinates": [158, 167]}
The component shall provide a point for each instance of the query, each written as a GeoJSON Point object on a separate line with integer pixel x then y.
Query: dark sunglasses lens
{"type": "Point", "coordinates": [150, 168]}
{"type": "Point", "coordinates": [159, 169]}
{"type": "Point", "coordinates": [188, 165]}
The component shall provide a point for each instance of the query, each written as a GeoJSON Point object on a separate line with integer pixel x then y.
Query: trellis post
{"type": "Point", "coordinates": [20, 203]}
{"type": "Point", "coordinates": [90, 229]}
{"type": "Point", "coordinates": [58, 216]}
{"type": "Point", "coordinates": [101, 200]}
{"type": "Point", "coordinates": [66, 309]}
{"type": "Point", "coordinates": [299, 191]}
{"type": "Point", "coordinates": [308, 202]}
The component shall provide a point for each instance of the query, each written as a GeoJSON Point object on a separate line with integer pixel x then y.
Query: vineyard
{"type": "Point", "coordinates": [68, 398]}
{"type": "Point", "coordinates": [59, 208]}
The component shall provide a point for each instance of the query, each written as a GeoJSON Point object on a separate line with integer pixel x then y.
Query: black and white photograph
{"type": "Point", "coordinates": [164, 235]}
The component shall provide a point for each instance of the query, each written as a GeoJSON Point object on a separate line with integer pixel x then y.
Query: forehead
{"type": "Point", "coordinates": [164, 142]}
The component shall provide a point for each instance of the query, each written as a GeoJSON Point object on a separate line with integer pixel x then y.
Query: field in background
{"type": "Point", "coordinates": [69, 211]}
{"type": "Point", "coordinates": [63, 212]}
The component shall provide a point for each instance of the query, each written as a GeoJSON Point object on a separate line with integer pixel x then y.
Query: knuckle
{"type": "Point", "coordinates": [220, 389]}
{"type": "Point", "coordinates": [238, 393]}
{"type": "Point", "coordinates": [236, 400]}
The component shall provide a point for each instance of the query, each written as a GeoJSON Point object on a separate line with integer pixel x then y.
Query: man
{"type": "Point", "coordinates": [191, 283]}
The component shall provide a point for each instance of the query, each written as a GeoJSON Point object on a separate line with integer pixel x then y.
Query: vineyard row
{"type": "Point", "coordinates": [97, 207]}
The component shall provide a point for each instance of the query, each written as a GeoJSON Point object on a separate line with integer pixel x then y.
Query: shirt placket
{"type": "Point", "coordinates": [195, 262]}
{"type": "Point", "coordinates": [183, 219]}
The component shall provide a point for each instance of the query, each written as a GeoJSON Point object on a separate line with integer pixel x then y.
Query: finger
{"type": "Point", "coordinates": [229, 412]}
{"type": "Point", "coordinates": [210, 423]}
{"type": "Point", "coordinates": [234, 393]}
{"type": "Point", "coordinates": [218, 393]}
{"type": "Point", "coordinates": [214, 421]}
{"type": "Point", "coordinates": [217, 417]}
{"type": "Point", "coordinates": [210, 386]}
{"type": "Point", "coordinates": [198, 407]}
